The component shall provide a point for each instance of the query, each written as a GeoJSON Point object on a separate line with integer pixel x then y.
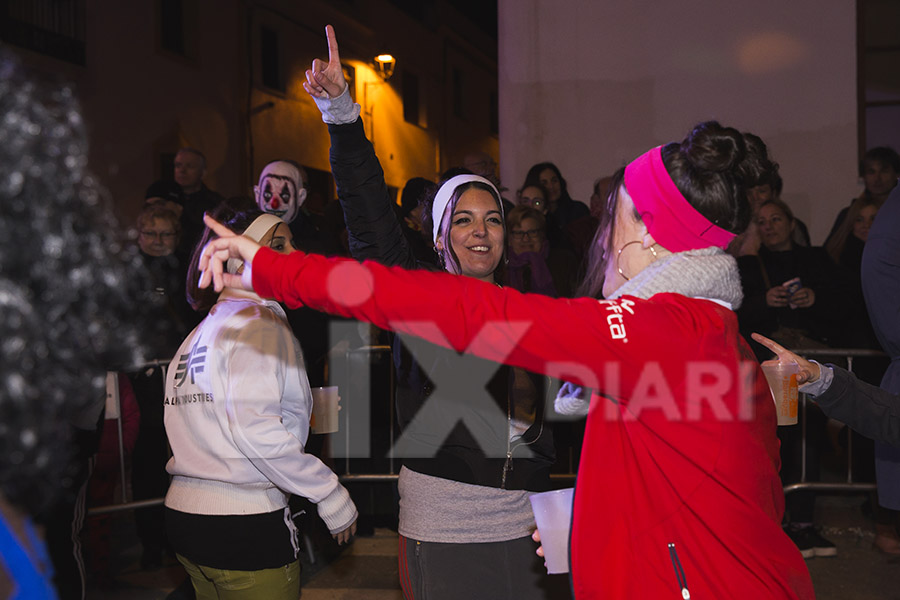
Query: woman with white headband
{"type": "Point", "coordinates": [237, 412]}
{"type": "Point", "coordinates": [678, 490]}
{"type": "Point", "coordinates": [473, 441]}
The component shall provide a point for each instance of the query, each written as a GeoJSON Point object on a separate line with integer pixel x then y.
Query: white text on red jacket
{"type": "Point", "coordinates": [614, 319]}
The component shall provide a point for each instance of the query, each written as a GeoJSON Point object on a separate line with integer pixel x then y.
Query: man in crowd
{"type": "Point", "coordinates": [196, 198]}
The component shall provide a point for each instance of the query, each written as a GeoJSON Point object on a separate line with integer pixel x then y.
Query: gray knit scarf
{"type": "Point", "coordinates": [706, 273]}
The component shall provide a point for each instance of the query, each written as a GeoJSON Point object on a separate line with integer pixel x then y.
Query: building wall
{"type": "Point", "coordinates": [141, 102]}
{"type": "Point", "coordinates": [590, 85]}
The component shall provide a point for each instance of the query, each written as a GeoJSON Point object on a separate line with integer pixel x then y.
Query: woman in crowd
{"type": "Point", "coordinates": [164, 308]}
{"type": "Point", "coordinates": [560, 204]}
{"type": "Point", "coordinates": [678, 488]}
{"type": "Point", "coordinates": [795, 295]}
{"type": "Point", "coordinates": [237, 413]}
{"type": "Point", "coordinates": [846, 245]}
{"type": "Point", "coordinates": [464, 487]}
{"type": "Point", "coordinates": [803, 314]}
{"type": "Point", "coordinates": [533, 265]}
{"type": "Point", "coordinates": [534, 196]}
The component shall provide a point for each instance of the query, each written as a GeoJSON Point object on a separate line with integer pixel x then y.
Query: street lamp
{"type": "Point", "coordinates": [384, 65]}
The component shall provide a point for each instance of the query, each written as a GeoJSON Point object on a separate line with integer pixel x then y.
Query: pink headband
{"type": "Point", "coordinates": [670, 219]}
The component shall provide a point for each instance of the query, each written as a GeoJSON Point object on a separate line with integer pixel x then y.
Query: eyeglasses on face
{"type": "Point", "coordinates": [527, 234]}
{"type": "Point", "coordinates": [158, 235]}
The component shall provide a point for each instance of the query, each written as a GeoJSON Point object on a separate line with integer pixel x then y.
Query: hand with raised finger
{"type": "Point", "coordinates": [809, 371]}
{"type": "Point", "coordinates": [216, 254]}
{"type": "Point", "coordinates": [326, 79]}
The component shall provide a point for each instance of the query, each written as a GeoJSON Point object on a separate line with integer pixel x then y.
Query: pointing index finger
{"type": "Point", "coordinates": [217, 227]}
{"type": "Point", "coordinates": [334, 56]}
{"type": "Point", "coordinates": [771, 345]}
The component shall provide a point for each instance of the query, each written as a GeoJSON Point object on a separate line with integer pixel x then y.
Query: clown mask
{"type": "Point", "coordinates": [280, 190]}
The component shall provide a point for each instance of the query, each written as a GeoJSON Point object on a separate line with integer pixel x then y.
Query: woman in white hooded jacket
{"type": "Point", "coordinates": [237, 412]}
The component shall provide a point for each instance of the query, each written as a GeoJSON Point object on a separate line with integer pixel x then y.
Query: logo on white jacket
{"type": "Point", "coordinates": [192, 362]}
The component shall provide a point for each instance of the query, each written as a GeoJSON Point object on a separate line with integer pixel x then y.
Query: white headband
{"type": "Point", "coordinates": [257, 229]}
{"type": "Point", "coordinates": [442, 198]}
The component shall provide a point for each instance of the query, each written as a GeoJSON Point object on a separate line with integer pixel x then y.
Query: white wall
{"type": "Point", "coordinates": [590, 85]}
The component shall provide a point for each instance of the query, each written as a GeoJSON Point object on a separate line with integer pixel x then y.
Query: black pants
{"type": "Point", "coordinates": [493, 570]}
{"type": "Point", "coordinates": [800, 504]}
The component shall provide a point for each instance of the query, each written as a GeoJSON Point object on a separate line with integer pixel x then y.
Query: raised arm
{"type": "Point", "coordinates": [374, 232]}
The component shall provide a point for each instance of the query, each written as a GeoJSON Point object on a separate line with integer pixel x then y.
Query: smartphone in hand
{"type": "Point", "coordinates": [792, 286]}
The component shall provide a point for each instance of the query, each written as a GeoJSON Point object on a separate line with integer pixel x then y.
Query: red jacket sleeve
{"type": "Point", "coordinates": [597, 343]}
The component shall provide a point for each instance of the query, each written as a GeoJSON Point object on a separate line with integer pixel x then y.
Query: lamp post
{"type": "Point", "coordinates": [383, 65]}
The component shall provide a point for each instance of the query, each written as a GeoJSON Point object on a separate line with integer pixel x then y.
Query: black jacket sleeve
{"type": "Point", "coordinates": [373, 231]}
{"type": "Point", "coordinates": [870, 410]}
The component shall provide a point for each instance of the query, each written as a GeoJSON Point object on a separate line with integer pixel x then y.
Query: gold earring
{"type": "Point", "coordinates": [619, 256]}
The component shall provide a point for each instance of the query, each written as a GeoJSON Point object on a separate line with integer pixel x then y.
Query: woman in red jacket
{"type": "Point", "coordinates": [678, 491]}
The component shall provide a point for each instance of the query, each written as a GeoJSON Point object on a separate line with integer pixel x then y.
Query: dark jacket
{"type": "Point", "coordinates": [195, 206]}
{"type": "Point", "coordinates": [163, 306]}
{"type": "Point", "coordinates": [816, 271]}
{"type": "Point", "coordinates": [374, 233]}
{"type": "Point", "coordinates": [870, 410]}
{"type": "Point", "coordinates": [881, 284]}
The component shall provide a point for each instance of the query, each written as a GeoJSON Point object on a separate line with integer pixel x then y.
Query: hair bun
{"type": "Point", "coordinates": [711, 147]}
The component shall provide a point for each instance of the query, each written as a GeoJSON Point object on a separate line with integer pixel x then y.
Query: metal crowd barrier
{"type": "Point", "coordinates": [355, 379]}
{"type": "Point", "coordinates": [849, 486]}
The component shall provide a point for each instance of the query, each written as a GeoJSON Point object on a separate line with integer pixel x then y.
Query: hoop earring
{"type": "Point", "coordinates": [619, 257]}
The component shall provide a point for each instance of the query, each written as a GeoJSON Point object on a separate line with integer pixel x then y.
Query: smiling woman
{"type": "Point", "coordinates": [469, 236]}
{"type": "Point", "coordinates": [776, 225]}
{"type": "Point", "coordinates": [474, 442]}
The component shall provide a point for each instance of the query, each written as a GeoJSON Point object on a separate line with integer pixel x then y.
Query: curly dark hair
{"type": "Point", "coordinates": [67, 285]}
{"type": "Point", "coordinates": [712, 167]}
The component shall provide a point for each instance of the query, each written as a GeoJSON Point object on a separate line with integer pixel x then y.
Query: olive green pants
{"type": "Point", "coordinates": [282, 583]}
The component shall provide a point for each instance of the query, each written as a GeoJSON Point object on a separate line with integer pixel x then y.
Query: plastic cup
{"type": "Point", "coordinates": [325, 410]}
{"type": "Point", "coordinates": [553, 515]}
{"type": "Point", "coordinates": [782, 378]}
